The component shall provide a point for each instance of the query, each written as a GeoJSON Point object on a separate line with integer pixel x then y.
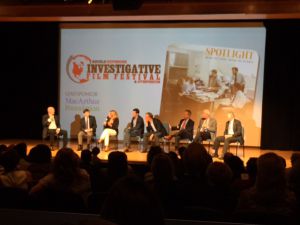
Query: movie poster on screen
{"type": "Point", "coordinates": [220, 79]}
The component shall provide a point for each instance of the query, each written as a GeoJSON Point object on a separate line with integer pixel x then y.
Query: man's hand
{"type": "Point", "coordinates": [50, 119]}
{"type": "Point", "coordinates": [57, 130]}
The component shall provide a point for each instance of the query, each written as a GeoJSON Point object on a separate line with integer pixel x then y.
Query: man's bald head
{"type": "Point", "coordinates": [51, 110]}
{"type": "Point", "coordinates": [205, 113]}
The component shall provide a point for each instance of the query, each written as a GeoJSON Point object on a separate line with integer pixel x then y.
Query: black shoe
{"type": "Point", "coordinates": [79, 148]}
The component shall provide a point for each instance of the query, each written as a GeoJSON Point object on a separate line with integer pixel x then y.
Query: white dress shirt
{"type": "Point", "coordinates": [52, 125]}
{"type": "Point", "coordinates": [230, 127]}
{"type": "Point", "coordinates": [204, 124]}
{"type": "Point", "coordinates": [87, 122]}
{"type": "Point", "coordinates": [134, 122]}
{"type": "Point", "coordinates": [153, 127]}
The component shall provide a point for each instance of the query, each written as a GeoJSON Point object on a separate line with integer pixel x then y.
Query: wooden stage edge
{"type": "Point", "coordinates": [137, 157]}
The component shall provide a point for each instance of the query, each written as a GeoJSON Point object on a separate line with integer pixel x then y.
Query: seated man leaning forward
{"type": "Point", "coordinates": [232, 133]}
{"type": "Point", "coordinates": [155, 130]}
{"type": "Point", "coordinates": [184, 129]}
{"type": "Point", "coordinates": [134, 129]}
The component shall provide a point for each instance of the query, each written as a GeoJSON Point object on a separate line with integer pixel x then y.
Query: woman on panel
{"type": "Point", "coordinates": [110, 128]}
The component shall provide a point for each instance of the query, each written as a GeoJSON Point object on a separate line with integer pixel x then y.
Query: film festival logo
{"type": "Point", "coordinates": [77, 68]}
{"type": "Point", "coordinates": [81, 69]}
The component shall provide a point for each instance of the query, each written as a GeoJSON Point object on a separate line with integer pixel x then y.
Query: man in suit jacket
{"type": "Point", "coordinates": [51, 127]}
{"type": "Point", "coordinates": [88, 126]}
{"type": "Point", "coordinates": [135, 128]}
{"type": "Point", "coordinates": [185, 129]}
{"type": "Point", "coordinates": [155, 130]}
{"type": "Point", "coordinates": [232, 133]}
{"type": "Point", "coordinates": [207, 128]}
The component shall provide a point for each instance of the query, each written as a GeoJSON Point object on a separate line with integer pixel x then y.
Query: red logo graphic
{"type": "Point", "coordinates": [77, 68]}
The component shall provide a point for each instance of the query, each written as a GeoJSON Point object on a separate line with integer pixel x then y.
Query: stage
{"type": "Point", "coordinates": [135, 156]}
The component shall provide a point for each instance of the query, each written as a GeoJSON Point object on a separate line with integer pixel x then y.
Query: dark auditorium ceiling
{"type": "Point", "coordinates": [147, 10]}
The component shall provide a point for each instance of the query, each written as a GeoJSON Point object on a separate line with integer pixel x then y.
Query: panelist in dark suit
{"type": "Point", "coordinates": [111, 128]}
{"type": "Point", "coordinates": [135, 128]}
{"type": "Point", "coordinates": [207, 128]}
{"type": "Point", "coordinates": [232, 133]}
{"type": "Point", "coordinates": [184, 130]}
{"type": "Point", "coordinates": [51, 127]}
{"type": "Point", "coordinates": [88, 126]}
{"type": "Point", "coordinates": [155, 130]}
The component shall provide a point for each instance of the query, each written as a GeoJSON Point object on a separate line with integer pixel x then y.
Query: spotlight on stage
{"type": "Point", "coordinates": [126, 4]}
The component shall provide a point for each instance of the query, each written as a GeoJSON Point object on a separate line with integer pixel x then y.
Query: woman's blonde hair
{"type": "Point", "coordinates": [114, 114]}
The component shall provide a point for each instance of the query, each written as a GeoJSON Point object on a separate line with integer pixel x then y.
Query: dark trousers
{"type": "Point", "coordinates": [155, 139]}
{"type": "Point", "coordinates": [202, 136]}
{"type": "Point", "coordinates": [226, 141]}
{"type": "Point", "coordinates": [128, 133]}
{"type": "Point", "coordinates": [181, 134]}
{"type": "Point", "coordinates": [52, 133]}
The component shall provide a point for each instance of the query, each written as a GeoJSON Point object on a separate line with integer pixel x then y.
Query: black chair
{"type": "Point", "coordinates": [114, 142]}
{"type": "Point", "coordinates": [56, 137]}
{"type": "Point", "coordinates": [239, 145]}
{"type": "Point", "coordinates": [163, 141]}
{"type": "Point", "coordinates": [209, 141]}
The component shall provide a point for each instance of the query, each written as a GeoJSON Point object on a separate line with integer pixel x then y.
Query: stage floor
{"type": "Point", "coordinates": [137, 157]}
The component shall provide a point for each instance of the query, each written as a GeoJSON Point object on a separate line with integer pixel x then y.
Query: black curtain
{"type": "Point", "coordinates": [29, 76]}
{"type": "Point", "coordinates": [281, 112]}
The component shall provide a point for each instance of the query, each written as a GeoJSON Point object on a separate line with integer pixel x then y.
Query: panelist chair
{"type": "Point", "coordinates": [47, 137]}
{"type": "Point", "coordinates": [162, 140]}
{"type": "Point", "coordinates": [137, 139]}
{"type": "Point", "coordinates": [239, 145]}
{"type": "Point", "coordinates": [114, 142]}
{"type": "Point", "coordinates": [185, 141]}
{"type": "Point", "coordinates": [94, 141]}
{"type": "Point", "coordinates": [210, 141]}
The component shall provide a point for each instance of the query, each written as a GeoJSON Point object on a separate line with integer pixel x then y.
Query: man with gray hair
{"type": "Point", "coordinates": [51, 127]}
{"type": "Point", "coordinates": [207, 128]}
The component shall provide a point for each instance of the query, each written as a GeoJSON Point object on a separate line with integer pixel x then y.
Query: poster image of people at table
{"type": "Point", "coordinates": [220, 79]}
